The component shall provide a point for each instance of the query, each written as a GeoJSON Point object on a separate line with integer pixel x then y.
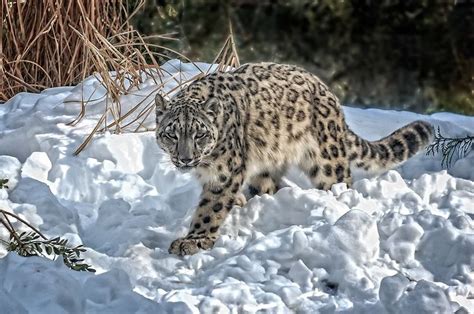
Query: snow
{"type": "Point", "coordinates": [400, 242]}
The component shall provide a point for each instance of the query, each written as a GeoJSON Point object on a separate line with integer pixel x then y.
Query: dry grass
{"type": "Point", "coordinates": [51, 43]}
{"type": "Point", "coordinates": [48, 43]}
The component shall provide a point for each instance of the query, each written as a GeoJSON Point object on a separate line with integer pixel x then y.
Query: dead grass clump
{"type": "Point", "coordinates": [56, 43]}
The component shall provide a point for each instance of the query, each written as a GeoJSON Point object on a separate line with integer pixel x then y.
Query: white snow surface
{"type": "Point", "coordinates": [400, 242]}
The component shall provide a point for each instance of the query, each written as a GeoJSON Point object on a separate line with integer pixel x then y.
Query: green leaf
{"type": "Point", "coordinates": [3, 183]}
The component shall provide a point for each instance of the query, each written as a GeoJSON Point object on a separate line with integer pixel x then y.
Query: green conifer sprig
{"type": "Point", "coordinates": [450, 147]}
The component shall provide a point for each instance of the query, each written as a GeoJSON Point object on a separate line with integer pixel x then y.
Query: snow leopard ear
{"type": "Point", "coordinates": [160, 107]}
{"type": "Point", "coordinates": [212, 108]}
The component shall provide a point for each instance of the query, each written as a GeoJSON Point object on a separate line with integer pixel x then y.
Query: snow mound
{"type": "Point", "coordinates": [401, 242]}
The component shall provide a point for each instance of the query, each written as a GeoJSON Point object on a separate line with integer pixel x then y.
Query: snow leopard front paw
{"type": "Point", "coordinates": [190, 246]}
{"type": "Point", "coordinates": [240, 200]}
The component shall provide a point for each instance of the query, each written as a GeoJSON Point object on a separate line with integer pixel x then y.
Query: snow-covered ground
{"type": "Point", "coordinates": [401, 242]}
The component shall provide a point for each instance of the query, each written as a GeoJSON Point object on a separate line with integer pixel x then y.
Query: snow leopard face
{"type": "Point", "coordinates": [185, 131]}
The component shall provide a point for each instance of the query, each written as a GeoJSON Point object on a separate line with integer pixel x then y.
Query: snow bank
{"type": "Point", "coordinates": [399, 242]}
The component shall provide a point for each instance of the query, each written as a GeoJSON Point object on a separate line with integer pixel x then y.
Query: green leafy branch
{"type": "Point", "coordinates": [3, 183]}
{"type": "Point", "coordinates": [449, 146]}
{"type": "Point", "coordinates": [34, 243]}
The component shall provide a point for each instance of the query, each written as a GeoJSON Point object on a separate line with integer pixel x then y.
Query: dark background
{"type": "Point", "coordinates": [413, 55]}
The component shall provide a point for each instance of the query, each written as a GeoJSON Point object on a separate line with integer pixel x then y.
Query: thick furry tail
{"type": "Point", "coordinates": [391, 150]}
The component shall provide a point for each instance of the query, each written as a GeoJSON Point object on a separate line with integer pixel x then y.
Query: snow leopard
{"type": "Point", "coordinates": [248, 125]}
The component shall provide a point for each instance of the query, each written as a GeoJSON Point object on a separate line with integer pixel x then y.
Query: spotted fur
{"type": "Point", "coordinates": [250, 124]}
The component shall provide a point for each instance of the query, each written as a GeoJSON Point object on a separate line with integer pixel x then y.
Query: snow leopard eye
{"type": "Point", "coordinates": [201, 133]}
{"type": "Point", "coordinates": [169, 132]}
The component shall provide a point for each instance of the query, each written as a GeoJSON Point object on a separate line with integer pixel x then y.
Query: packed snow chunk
{"type": "Point", "coordinates": [388, 192]}
{"type": "Point", "coordinates": [433, 188]}
{"type": "Point", "coordinates": [338, 188]}
{"type": "Point", "coordinates": [26, 135]}
{"type": "Point", "coordinates": [37, 167]}
{"type": "Point", "coordinates": [10, 170]}
{"type": "Point", "coordinates": [461, 220]}
{"type": "Point", "coordinates": [300, 241]}
{"type": "Point", "coordinates": [112, 292]}
{"type": "Point", "coordinates": [126, 151]}
{"type": "Point", "coordinates": [390, 222]}
{"type": "Point", "coordinates": [462, 198]}
{"type": "Point", "coordinates": [356, 233]}
{"type": "Point", "coordinates": [117, 228]}
{"type": "Point", "coordinates": [10, 305]}
{"type": "Point", "coordinates": [344, 250]}
{"type": "Point", "coordinates": [301, 274]}
{"type": "Point", "coordinates": [176, 307]}
{"type": "Point", "coordinates": [232, 291]}
{"type": "Point", "coordinates": [89, 180]}
{"type": "Point", "coordinates": [289, 293]}
{"type": "Point", "coordinates": [448, 254]}
{"type": "Point", "coordinates": [401, 245]}
{"type": "Point", "coordinates": [391, 290]}
{"type": "Point", "coordinates": [212, 305]}
{"type": "Point", "coordinates": [240, 268]}
{"type": "Point", "coordinates": [57, 219]}
{"type": "Point", "coordinates": [180, 301]}
{"type": "Point", "coordinates": [389, 185]}
{"type": "Point", "coordinates": [397, 296]}
{"type": "Point", "coordinates": [462, 168]}
{"type": "Point", "coordinates": [41, 285]}
{"type": "Point", "coordinates": [105, 287]}
{"type": "Point", "coordinates": [287, 208]}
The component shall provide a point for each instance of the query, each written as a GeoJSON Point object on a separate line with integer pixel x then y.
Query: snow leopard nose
{"type": "Point", "coordinates": [185, 151]}
{"type": "Point", "coordinates": [186, 161]}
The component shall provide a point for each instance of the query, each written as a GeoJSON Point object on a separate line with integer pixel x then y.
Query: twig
{"type": "Point", "coordinates": [448, 146]}
{"type": "Point", "coordinates": [4, 212]}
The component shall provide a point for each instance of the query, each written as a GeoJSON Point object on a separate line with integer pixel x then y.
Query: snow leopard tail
{"type": "Point", "coordinates": [391, 150]}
